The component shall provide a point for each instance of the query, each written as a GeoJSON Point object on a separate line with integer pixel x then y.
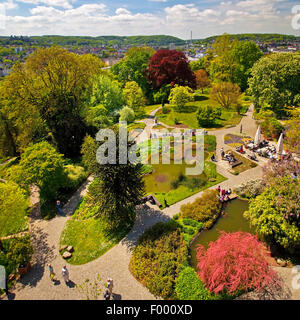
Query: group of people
{"type": "Point", "coordinates": [108, 293]}
{"type": "Point", "coordinates": [64, 271]}
{"type": "Point", "coordinates": [227, 156]}
{"type": "Point", "coordinates": [224, 195]}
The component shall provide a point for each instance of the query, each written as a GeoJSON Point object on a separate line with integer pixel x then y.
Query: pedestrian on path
{"type": "Point", "coordinates": [106, 294]}
{"type": "Point", "coordinates": [65, 274]}
{"type": "Point", "coordinates": [58, 205]}
{"type": "Point", "coordinates": [241, 129]}
{"type": "Point", "coordinates": [110, 285]}
{"type": "Point", "coordinates": [51, 271]}
{"type": "Point", "coordinates": [222, 153]}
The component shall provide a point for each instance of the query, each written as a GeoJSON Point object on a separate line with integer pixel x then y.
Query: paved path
{"type": "Point", "coordinates": [114, 263]}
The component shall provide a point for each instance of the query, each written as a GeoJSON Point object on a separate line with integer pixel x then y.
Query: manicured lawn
{"type": "Point", "coordinates": [136, 125]}
{"type": "Point", "coordinates": [188, 118]}
{"type": "Point", "coordinates": [87, 237]}
{"type": "Point", "coordinates": [11, 224]}
{"type": "Point", "coordinates": [146, 111]}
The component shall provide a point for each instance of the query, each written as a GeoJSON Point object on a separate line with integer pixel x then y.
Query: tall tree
{"type": "Point", "coordinates": [133, 66]}
{"type": "Point", "coordinates": [179, 96]}
{"type": "Point", "coordinates": [120, 186]}
{"type": "Point", "coordinates": [170, 67]}
{"type": "Point", "coordinates": [226, 94]}
{"type": "Point", "coordinates": [133, 96]}
{"type": "Point", "coordinates": [202, 79]}
{"type": "Point", "coordinates": [223, 64]}
{"type": "Point", "coordinates": [245, 53]}
{"type": "Point", "coordinates": [275, 82]}
{"type": "Point", "coordinates": [57, 84]}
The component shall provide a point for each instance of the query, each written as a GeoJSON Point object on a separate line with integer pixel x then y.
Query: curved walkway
{"type": "Point", "coordinates": [114, 263]}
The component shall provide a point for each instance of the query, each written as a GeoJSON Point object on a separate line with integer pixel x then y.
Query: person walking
{"type": "Point", "coordinates": [65, 274]}
{"type": "Point", "coordinates": [106, 294]}
{"type": "Point", "coordinates": [58, 205]}
{"type": "Point", "coordinates": [110, 285]}
{"type": "Point", "coordinates": [51, 271]}
{"type": "Point", "coordinates": [222, 153]}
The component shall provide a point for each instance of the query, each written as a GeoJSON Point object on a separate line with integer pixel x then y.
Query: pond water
{"type": "Point", "coordinates": [232, 221]}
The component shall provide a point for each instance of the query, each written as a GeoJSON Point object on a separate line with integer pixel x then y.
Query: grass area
{"type": "Point", "coordinates": [136, 125]}
{"type": "Point", "coordinates": [4, 168]}
{"type": "Point", "coordinates": [11, 224]}
{"type": "Point", "coordinates": [229, 117]}
{"type": "Point", "coordinates": [246, 163]}
{"type": "Point", "coordinates": [146, 111]}
{"type": "Point", "coordinates": [88, 238]}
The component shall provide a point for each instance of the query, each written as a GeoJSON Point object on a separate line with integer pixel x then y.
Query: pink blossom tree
{"type": "Point", "coordinates": [235, 263]}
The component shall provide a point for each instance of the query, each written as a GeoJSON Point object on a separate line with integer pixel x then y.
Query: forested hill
{"type": "Point", "coordinates": [261, 37]}
{"type": "Point", "coordinates": [157, 40]}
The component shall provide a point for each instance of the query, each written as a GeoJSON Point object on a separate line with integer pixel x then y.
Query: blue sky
{"type": "Point", "coordinates": [132, 17]}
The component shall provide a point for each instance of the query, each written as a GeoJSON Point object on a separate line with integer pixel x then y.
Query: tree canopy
{"type": "Point", "coordinates": [275, 82]}
{"type": "Point", "coordinates": [170, 67]}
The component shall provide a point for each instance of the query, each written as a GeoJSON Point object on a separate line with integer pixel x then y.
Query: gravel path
{"type": "Point", "coordinates": [114, 263]}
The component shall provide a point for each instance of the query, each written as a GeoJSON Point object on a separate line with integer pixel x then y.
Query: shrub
{"type": "Point", "coordinates": [166, 110]}
{"type": "Point", "coordinates": [271, 128]}
{"type": "Point", "coordinates": [158, 257]}
{"type": "Point", "coordinates": [207, 115]}
{"type": "Point", "coordinates": [190, 287]}
{"type": "Point", "coordinates": [249, 189]}
{"type": "Point", "coordinates": [234, 264]}
{"type": "Point", "coordinates": [205, 209]}
{"type": "Point", "coordinates": [127, 114]}
{"type": "Point", "coordinates": [16, 251]}
{"type": "Point", "coordinates": [275, 213]}
{"type": "Point", "coordinates": [75, 176]}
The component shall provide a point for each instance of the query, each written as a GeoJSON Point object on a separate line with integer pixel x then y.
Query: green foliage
{"type": "Point", "coordinates": [43, 166]}
{"type": "Point", "coordinates": [275, 81]}
{"type": "Point", "coordinates": [190, 287]}
{"type": "Point", "coordinates": [127, 114]}
{"type": "Point", "coordinates": [166, 110]}
{"type": "Point", "coordinates": [271, 128]}
{"type": "Point", "coordinates": [190, 228]}
{"type": "Point", "coordinates": [13, 209]}
{"type": "Point", "coordinates": [249, 189]}
{"type": "Point", "coordinates": [16, 252]}
{"type": "Point", "coordinates": [107, 92]}
{"type": "Point", "coordinates": [179, 96]}
{"type": "Point", "coordinates": [133, 66]}
{"type": "Point", "coordinates": [133, 96]}
{"type": "Point", "coordinates": [98, 117]}
{"type": "Point", "coordinates": [75, 176]}
{"type": "Point", "coordinates": [158, 257]}
{"type": "Point", "coordinates": [88, 151]}
{"type": "Point", "coordinates": [205, 209]}
{"type": "Point", "coordinates": [275, 213]}
{"type": "Point", "coordinates": [207, 115]}
{"type": "Point", "coordinates": [245, 53]}
{"type": "Point", "coordinates": [198, 64]}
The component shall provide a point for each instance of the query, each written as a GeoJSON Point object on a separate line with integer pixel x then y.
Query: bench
{"type": "Point", "coordinates": [236, 163]}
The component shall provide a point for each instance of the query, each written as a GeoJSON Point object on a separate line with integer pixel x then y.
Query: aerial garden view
{"type": "Point", "coordinates": [198, 201]}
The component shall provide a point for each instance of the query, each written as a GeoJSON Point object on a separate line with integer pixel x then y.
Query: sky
{"type": "Point", "coordinates": [148, 17]}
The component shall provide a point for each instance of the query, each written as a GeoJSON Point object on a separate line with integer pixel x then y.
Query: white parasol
{"type": "Point", "coordinates": [257, 137]}
{"type": "Point", "coordinates": [279, 146]}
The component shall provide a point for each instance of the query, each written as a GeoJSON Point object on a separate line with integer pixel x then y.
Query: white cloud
{"type": "Point", "coordinates": [10, 4]}
{"type": "Point", "coordinates": [95, 19]}
{"type": "Point", "coordinates": [56, 3]}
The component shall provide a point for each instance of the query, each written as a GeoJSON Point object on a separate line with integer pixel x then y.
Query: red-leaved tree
{"type": "Point", "coordinates": [170, 67]}
{"type": "Point", "coordinates": [234, 263]}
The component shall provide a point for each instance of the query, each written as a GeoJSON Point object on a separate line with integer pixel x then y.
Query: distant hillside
{"type": "Point", "coordinates": [158, 40]}
{"type": "Point", "coordinates": [261, 37]}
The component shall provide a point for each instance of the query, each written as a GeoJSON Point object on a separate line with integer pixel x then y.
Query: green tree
{"type": "Point", "coordinates": [275, 81]}
{"type": "Point", "coordinates": [13, 208]}
{"type": "Point", "coordinates": [275, 213]}
{"type": "Point", "coordinates": [43, 166]}
{"type": "Point", "coordinates": [133, 66]}
{"type": "Point", "coordinates": [127, 114]}
{"type": "Point", "coordinates": [179, 96]}
{"type": "Point", "coordinates": [133, 95]}
{"type": "Point", "coordinates": [98, 117]}
{"type": "Point", "coordinates": [120, 186]}
{"type": "Point", "coordinates": [245, 54]}
{"type": "Point", "coordinates": [55, 84]}
{"type": "Point", "coordinates": [197, 65]}
{"type": "Point", "coordinates": [226, 94]}
{"type": "Point", "coordinates": [223, 64]}
{"type": "Point", "coordinates": [207, 116]}
{"type": "Point", "coordinates": [107, 92]}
